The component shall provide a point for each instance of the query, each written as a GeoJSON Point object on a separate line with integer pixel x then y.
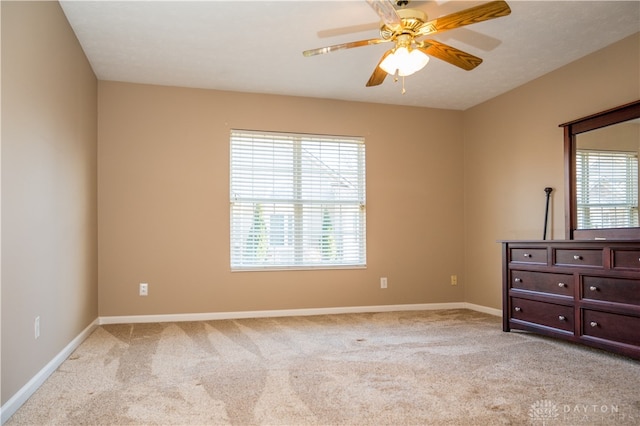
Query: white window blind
{"type": "Point", "coordinates": [607, 189]}
{"type": "Point", "coordinates": [297, 201]}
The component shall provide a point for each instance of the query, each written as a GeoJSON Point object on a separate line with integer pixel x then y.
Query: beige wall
{"type": "Point", "coordinates": [621, 137]}
{"type": "Point", "coordinates": [49, 214]}
{"type": "Point", "coordinates": [514, 149]}
{"type": "Point", "coordinates": [164, 202]}
{"type": "Point", "coordinates": [163, 161]}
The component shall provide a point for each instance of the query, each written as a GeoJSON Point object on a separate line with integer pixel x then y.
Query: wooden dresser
{"type": "Point", "coordinates": [583, 291]}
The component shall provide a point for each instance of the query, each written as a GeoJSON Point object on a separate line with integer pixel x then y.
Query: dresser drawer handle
{"type": "Point", "coordinates": [593, 324]}
{"type": "Point", "coordinates": [517, 308]}
{"type": "Point", "coordinates": [562, 317]}
{"type": "Point", "coordinates": [526, 255]}
{"type": "Point", "coordinates": [518, 280]}
{"type": "Point", "coordinates": [593, 288]}
{"type": "Point", "coordinates": [562, 285]}
{"type": "Point", "coordinates": [577, 257]}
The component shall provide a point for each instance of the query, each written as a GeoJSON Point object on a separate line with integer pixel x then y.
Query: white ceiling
{"type": "Point", "coordinates": [256, 46]}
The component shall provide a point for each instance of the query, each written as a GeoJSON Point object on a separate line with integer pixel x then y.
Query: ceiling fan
{"type": "Point", "coordinates": [404, 27]}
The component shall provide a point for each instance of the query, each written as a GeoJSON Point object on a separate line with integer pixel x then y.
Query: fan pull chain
{"type": "Point", "coordinates": [395, 80]}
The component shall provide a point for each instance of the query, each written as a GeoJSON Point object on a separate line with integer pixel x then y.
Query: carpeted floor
{"type": "Point", "coordinates": [453, 367]}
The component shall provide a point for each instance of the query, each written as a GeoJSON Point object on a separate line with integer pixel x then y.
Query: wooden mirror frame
{"type": "Point", "coordinates": [571, 129]}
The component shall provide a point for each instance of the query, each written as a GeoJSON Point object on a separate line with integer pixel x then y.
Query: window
{"type": "Point", "coordinates": [607, 189]}
{"type": "Point", "coordinates": [297, 201]}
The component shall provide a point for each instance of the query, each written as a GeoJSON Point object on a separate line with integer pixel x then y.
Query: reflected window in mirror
{"type": "Point", "coordinates": [606, 189]}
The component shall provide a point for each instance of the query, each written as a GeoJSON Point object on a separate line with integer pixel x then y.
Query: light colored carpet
{"type": "Point", "coordinates": [453, 367]}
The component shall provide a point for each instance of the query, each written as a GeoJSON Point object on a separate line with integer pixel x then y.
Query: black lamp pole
{"type": "Point", "coordinates": [546, 212]}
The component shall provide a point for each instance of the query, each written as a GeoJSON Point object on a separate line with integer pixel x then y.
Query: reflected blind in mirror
{"type": "Point", "coordinates": [606, 189]}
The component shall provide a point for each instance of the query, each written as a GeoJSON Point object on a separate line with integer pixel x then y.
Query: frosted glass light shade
{"type": "Point", "coordinates": [405, 61]}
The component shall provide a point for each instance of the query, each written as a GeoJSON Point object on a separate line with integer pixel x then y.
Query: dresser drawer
{"type": "Point", "coordinates": [548, 314]}
{"type": "Point", "coordinates": [536, 256]}
{"type": "Point", "coordinates": [609, 326]}
{"type": "Point", "coordinates": [629, 259]}
{"type": "Point", "coordinates": [578, 257]}
{"type": "Point", "coordinates": [618, 290]}
{"type": "Point", "coordinates": [544, 282]}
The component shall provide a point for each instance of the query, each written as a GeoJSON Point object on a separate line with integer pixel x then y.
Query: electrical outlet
{"type": "Point", "coordinates": [454, 280]}
{"type": "Point", "coordinates": [144, 289]}
{"type": "Point", "coordinates": [36, 327]}
{"type": "Point", "coordinates": [383, 282]}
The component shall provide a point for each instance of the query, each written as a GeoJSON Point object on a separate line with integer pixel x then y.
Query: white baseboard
{"type": "Point", "coordinates": [293, 312]}
{"type": "Point", "coordinates": [484, 309]}
{"type": "Point", "coordinates": [16, 401]}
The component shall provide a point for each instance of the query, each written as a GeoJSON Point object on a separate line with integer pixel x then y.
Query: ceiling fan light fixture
{"type": "Point", "coordinates": [405, 61]}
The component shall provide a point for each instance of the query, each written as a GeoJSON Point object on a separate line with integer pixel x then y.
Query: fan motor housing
{"type": "Point", "coordinates": [411, 19]}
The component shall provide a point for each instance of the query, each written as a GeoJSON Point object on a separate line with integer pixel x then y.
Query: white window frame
{"type": "Point", "coordinates": [606, 189]}
{"type": "Point", "coordinates": [297, 201]}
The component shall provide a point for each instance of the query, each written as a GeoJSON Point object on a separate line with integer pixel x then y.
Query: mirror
{"type": "Point", "coordinates": [601, 175]}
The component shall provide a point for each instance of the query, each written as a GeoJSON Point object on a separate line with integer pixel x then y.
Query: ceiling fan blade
{"type": "Point", "coordinates": [386, 12]}
{"type": "Point", "coordinates": [351, 29]}
{"type": "Point", "coordinates": [379, 74]}
{"type": "Point", "coordinates": [484, 12]}
{"type": "Point", "coordinates": [352, 44]}
{"type": "Point", "coordinates": [456, 57]}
